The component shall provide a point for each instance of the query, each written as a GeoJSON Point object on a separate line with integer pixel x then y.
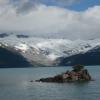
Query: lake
{"type": "Point", "coordinates": [15, 85]}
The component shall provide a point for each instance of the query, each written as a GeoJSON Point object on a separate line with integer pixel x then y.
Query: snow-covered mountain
{"type": "Point", "coordinates": [46, 51]}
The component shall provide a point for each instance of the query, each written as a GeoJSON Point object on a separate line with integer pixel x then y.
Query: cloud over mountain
{"type": "Point", "coordinates": [47, 18]}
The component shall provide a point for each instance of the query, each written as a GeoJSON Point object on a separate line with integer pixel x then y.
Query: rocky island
{"type": "Point", "coordinates": [77, 74]}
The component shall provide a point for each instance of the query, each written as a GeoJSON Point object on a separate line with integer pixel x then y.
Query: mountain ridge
{"type": "Point", "coordinates": [49, 52]}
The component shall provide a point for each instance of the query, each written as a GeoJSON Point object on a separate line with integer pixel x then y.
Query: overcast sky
{"type": "Point", "coordinates": [73, 19]}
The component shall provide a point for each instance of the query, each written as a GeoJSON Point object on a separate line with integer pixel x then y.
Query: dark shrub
{"type": "Point", "coordinates": [77, 68]}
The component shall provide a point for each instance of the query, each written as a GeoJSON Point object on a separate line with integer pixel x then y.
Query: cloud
{"type": "Point", "coordinates": [2, 2]}
{"type": "Point", "coordinates": [25, 6]}
{"type": "Point", "coordinates": [49, 20]}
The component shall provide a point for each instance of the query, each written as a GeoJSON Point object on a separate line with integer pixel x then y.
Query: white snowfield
{"type": "Point", "coordinates": [48, 50]}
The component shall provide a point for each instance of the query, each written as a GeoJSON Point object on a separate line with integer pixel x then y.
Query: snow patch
{"type": "Point", "coordinates": [22, 47]}
{"type": "Point", "coordinates": [52, 57]}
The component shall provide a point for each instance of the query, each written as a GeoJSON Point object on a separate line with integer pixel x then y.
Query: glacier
{"type": "Point", "coordinates": [46, 51]}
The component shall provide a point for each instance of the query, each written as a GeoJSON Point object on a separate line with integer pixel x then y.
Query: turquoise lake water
{"type": "Point", "coordinates": [15, 85]}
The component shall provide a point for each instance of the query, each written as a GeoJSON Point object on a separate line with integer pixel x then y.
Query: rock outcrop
{"type": "Point", "coordinates": [77, 74]}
